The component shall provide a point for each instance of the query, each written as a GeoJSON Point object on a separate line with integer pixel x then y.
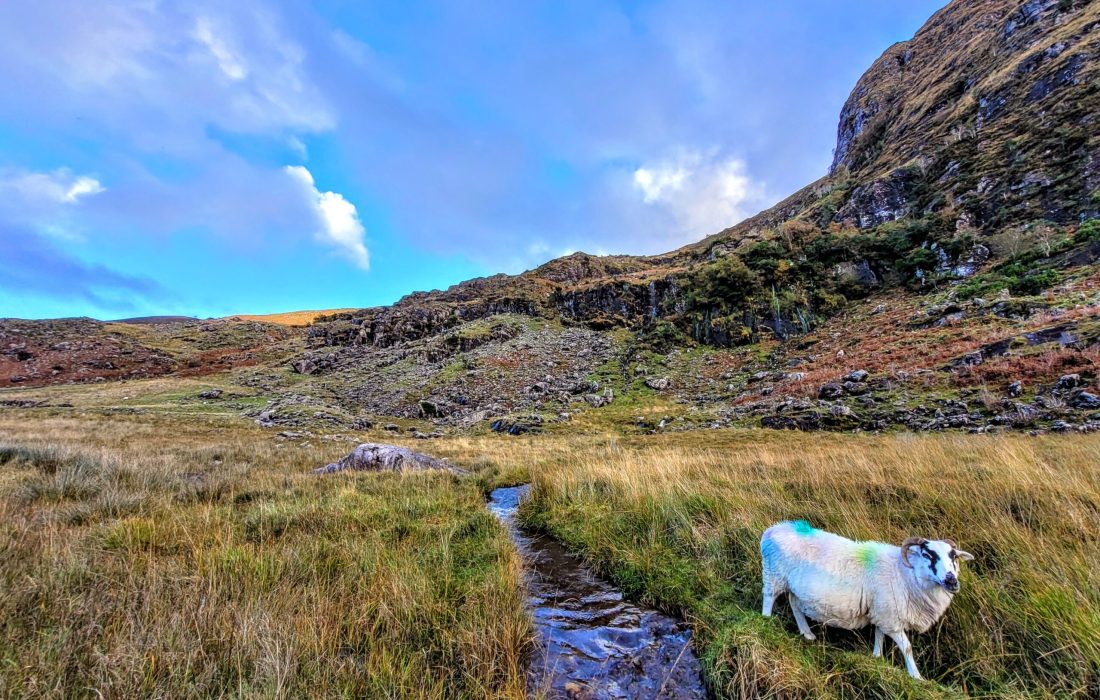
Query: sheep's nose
{"type": "Point", "coordinates": [951, 581]}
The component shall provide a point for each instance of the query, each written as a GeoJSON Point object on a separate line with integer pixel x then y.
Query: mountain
{"type": "Point", "coordinates": [988, 119]}
{"type": "Point", "coordinates": [941, 274]}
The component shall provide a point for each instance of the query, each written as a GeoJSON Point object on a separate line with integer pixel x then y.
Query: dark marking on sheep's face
{"type": "Point", "coordinates": [939, 564]}
{"type": "Point", "coordinates": [931, 555]}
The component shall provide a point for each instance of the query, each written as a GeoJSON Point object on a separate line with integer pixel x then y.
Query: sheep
{"type": "Point", "coordinates": [848, 584]}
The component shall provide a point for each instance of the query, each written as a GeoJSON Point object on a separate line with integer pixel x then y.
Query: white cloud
{"type": "Point", "coordinates": [337, 217]}
{"type": "Point", "coordinates": [227, 59]}
{"type": "Point", "coordinates": [82, 187]}
{"type": "Point", "coordinates": [700, 192]}
{"type": "Point", "coordinates": [656, 181]}
{"type": "Point", "coordinates": [39, 188]}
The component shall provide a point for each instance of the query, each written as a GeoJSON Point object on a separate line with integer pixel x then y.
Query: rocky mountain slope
{"type": "Point", "coordinates": [943, 274]}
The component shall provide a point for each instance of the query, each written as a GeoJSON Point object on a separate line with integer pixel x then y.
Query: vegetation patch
{"type": "Point", "coordinates": [679, 528]}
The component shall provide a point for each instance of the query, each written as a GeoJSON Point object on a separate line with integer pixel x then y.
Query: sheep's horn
{"type": "Point", "coordinates": [909, 542]}
{"type": "Point", "coordinates": [948, 540]}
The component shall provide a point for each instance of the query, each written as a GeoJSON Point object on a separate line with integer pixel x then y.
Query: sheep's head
{"type": "Point", "coordinates": [934, 561]}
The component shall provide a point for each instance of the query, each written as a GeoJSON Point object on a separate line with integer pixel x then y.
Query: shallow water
{"type": "Point", "coordinates": [595, 644]}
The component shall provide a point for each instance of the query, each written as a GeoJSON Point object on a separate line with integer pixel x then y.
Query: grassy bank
{"type": "Point", "coordinates": [677, 522]}
{"type": "Point", "coordinates": [149, 557]}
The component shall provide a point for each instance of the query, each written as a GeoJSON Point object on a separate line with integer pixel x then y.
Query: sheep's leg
{"type": "Point", "coordinates": [769, 599]}
{"type": "Point", "coordinates": [799, 617]}
{"type": "Point", "coordinates": [902, 640]}
{"type": "Point", "coordinates": [877, 652]}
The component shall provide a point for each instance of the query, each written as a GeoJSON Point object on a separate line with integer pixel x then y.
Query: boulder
{"type": "Point", "coordinates": [857, 375]}
{"type": "Point", "coordinates": [830, 390]}
{"type": "Point", "coordinates": [304, 365]}
{"type": "Point", "coordinates": [538, 389]}
{"type": "Point", "coordinates": [376, 457]}
{"type": "Point", "coordinates": [1015, 389]}
{"type": "Point", "coordinates": [518, 426]}
{"type": "Point", "coordinates": [972, 262]}
{"type": "Point", "coordinates": [1084, 399]}
{"type": "Point", "coordinates": [596, 401]}
{"type": "Point", "coordinates": [855, 388]}
{"type": "Point", "coordinates": [1068, 381]}
{"type": "Point", "coordinates": [658, 384]}
{"type": "Point", "coordinates": [211, 394]}
{"type": "Point", "coordinates": [434, 408]}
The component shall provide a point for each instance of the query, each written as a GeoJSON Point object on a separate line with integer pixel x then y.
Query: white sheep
{"type": "Point", "coordinates": [849, 584]}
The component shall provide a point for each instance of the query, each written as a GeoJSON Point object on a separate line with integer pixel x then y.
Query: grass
{"type": "Point", "coordinates": [144, 557]}
{"type": "Point", "coordinates": [678, 525]}
{"type": "Point", "coordinates": [194, 555]}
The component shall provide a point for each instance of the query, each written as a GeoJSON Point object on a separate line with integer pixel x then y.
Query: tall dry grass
{"type": "Point", "coordinates": [186, 556]}
{"type": "Point", "coordinates": [678, 525]}
{"type": "Point", "coordinates": [154, 557]}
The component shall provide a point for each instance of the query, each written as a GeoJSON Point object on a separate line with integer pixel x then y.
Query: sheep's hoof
{"type": "Point", "coordinates": [810, 636]}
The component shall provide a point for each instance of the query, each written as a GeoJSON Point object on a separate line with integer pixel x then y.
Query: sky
{"type": "Point", "coordinates": [207, 158]}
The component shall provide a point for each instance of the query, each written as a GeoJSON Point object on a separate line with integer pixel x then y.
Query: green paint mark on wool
{"type": "Point", "coordinates": [802, 527]}
{"type": "Point", "coordinates": [866, 553]}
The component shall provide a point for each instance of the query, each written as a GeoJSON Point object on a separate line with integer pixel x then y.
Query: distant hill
{"type": "Point", "coordinates": [156, 319]}
{"type": "Point", "coordinates": [290, 318]}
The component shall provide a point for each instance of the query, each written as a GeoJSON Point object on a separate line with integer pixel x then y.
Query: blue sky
{"type": "Point", "coordinates": [208, 158]}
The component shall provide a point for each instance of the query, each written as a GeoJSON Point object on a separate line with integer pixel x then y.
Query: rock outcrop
{"type": "Point", "coordinates": [377, 457]}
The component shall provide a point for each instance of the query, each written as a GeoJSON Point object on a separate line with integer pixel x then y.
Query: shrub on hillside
{"type": "Point", "coordinates": [1088, 231]}
{"type": "Point", "coordinates": [726, 282]}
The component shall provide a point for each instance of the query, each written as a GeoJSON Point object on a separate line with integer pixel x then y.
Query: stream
{"type": "Point", "coordinates": [594, 644]}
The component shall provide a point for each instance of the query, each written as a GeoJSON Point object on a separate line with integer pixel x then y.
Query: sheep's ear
{"type": "Point", "coordinates": [964, 555]}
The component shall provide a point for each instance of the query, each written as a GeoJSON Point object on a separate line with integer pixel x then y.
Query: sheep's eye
{"type": "Point", "coordinates": [952, 555]}
{"type": "Point", "coordinates": [928, 557]}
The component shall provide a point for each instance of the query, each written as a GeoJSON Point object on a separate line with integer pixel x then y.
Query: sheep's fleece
{"type": "Point", "coordinates": [848, 584]}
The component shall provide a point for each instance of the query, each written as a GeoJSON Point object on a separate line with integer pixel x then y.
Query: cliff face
{"type": "Point", "coordinates": [991, 111]}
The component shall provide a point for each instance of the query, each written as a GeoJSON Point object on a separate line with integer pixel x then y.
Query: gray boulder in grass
{"type": "Point", "coordinates": [375, 457]}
